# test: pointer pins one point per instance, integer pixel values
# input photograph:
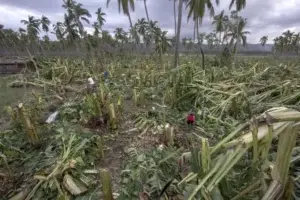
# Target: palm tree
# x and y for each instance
(32, 26)
(189, 43)
(125, 4)
(120, 35)
(96, 27)
(152, 31)
(288, 35)
(263, 40)
(75, 15)
(141, 27)
(174, 12)
(210, 40)
(71, 30)
(239, 4)
(238, 34)
(45, 22)
(105, 35)
(278, 44)
(3, 38)
(201, 38)
(59, 32)
(295, 42)
(100, 17)
(196, 10)
(220, 22)
(184, 41)
(162, 44)
(81, 14)
(23, 38)
(9, 38)
(176, 53)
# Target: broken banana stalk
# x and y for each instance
(30, 129)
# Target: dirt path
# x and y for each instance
(128, 137)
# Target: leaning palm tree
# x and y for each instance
(45, 22)
(81, 15)
(33, 30)
(59, 30)
(76, 14)
(100, 17)
(71, 31)
(32, 26)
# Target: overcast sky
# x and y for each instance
(265, 17)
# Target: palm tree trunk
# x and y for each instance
(174, 9)
(237, 42)
(194, 36)
(176, 55)
(130, 21)
(131, 26)
(221, 41)
(145, 4)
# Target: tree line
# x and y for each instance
(229, 31)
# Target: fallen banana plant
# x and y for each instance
(28, 125)
(275, 123)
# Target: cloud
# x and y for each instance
(265, 17)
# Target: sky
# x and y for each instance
(265, 17)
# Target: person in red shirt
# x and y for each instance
(191, 118)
